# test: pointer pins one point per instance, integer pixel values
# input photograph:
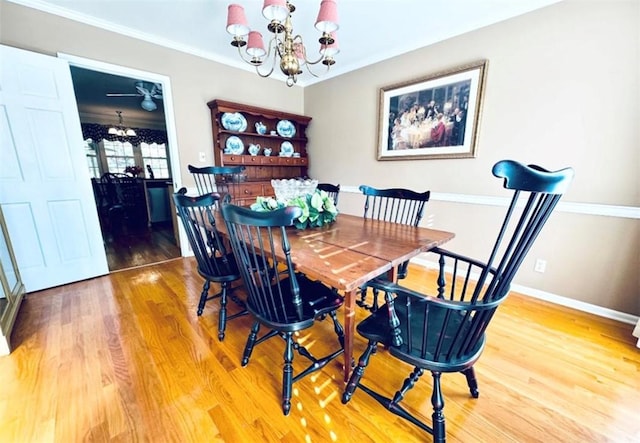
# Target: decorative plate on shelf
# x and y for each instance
(286, 149)
(233, 121)
(285, 129)
(234, 146)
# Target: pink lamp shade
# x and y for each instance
(237, 24)
(255, 46)
(332, 49)
(299, 50)
(327, 16)
(275, 10)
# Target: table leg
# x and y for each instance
(349, 330)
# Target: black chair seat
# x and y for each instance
(226, 265)
(449, 326)
(317, 300)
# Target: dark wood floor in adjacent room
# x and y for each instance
(138, 246)
(124, 357)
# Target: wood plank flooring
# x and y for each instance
(125, 358)
(130, 248)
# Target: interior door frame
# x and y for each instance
(170, 121)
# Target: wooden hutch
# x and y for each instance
(260, 169)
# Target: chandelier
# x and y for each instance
(283, 44)
(120, 129)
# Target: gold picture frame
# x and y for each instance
(432, 117)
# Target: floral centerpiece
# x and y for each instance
(317, 208)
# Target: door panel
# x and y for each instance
(45, 189)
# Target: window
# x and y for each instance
(155, 156)
(114, 156)
(119, 155)
(91, 154)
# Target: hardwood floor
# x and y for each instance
(139, 246)
(125, 358)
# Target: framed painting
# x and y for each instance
(432, 117)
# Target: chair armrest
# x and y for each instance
(456, 256)
(390, 287)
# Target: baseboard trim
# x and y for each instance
(554, 298)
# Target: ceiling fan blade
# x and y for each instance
(122, 95)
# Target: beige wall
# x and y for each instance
(562, 89)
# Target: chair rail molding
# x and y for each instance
(572, 207)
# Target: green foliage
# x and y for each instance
(317, 208)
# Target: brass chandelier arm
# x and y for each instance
(256, 62)
(298, 39)
(310, 71)
(273, 46)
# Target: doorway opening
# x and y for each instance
(132, 162)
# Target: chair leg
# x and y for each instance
(470, 374)
(337, 327)
(203, 296)
(439, 435)
(222, 315)
(374, 303)
(251, 341)
(287, 374)
(362, 302)
(357, 373)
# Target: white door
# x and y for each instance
(45, 189)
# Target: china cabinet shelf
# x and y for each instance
(264, 136)
(260, 169)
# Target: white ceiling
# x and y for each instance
(370, 30)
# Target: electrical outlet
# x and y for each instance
(540, 266)
(202, 157)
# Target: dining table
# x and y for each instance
(352, 251)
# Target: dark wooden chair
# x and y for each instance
(332, 190)
(395, 205)
(215, 263)
(220, 179)
(122, 203)
(445, 331)
(284, 301)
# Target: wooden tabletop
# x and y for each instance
(350, 252)
(392, 242)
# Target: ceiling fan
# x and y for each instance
(147, 90)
